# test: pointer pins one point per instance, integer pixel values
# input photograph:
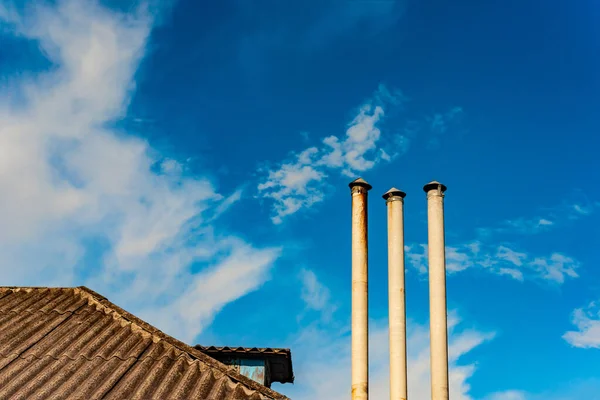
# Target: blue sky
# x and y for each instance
(190, 161)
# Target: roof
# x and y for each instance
(280, 360)
(74, 343)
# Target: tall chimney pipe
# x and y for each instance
(360, 316)
(394, 200)
(438, 320)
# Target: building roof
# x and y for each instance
(280, 360)
(74, 343)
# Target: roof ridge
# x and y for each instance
(66, 356)
(190, 350)
(46, 312)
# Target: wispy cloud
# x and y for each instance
(439, 124)
(550, 218)
(574, 389)
(339, 18)
(295, 184)
(75, 192)
(582, 209)
(587, 324)
(500, 260)
(529, 226)
(507, 395)
(326, 373)
(490, 251)
(279, 25)
(300, 181)
(316, 295)
(242, 270)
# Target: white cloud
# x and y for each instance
(513, 257)
(489, 253)
(416, 256)
(499, 259)
(507, 395)
(551, 218)
(299, 182)
(357, 151)
(240, 272)
(326, 372)
(528, 226)
(588, 389)
(512, 272)
(587, 322)
(313, 29)
(316, 295)
(293, 185)
(582, 209)
(76, 192)
(440, 123)
(555, 268)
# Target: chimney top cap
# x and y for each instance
(393, 192)
(434, 185)
(360, 182)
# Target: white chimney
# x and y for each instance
(397, 299)
(360, 316)
(438, 320)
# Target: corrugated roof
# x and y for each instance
(74, 343)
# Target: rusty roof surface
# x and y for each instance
(74, 343)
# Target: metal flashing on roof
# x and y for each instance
(278, 360)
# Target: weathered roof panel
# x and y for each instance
(74, 343)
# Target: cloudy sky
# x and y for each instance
(190, 160)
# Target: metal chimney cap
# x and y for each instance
(360, 182)
(393, 192)
(434, 185)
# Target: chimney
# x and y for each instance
(438, 323)
(394, 200)
(360, 316)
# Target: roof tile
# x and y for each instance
(73, 343)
